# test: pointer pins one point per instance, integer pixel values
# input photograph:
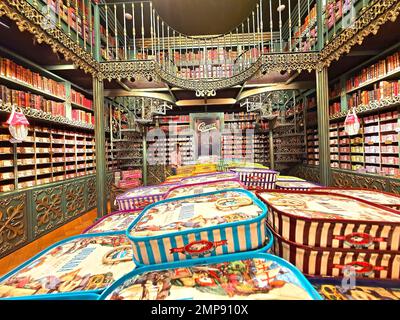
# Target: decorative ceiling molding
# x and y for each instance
(266, 63)
(27, 18)
(297, 61)
(373, 17)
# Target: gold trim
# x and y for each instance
(373, 17)
(27, 18)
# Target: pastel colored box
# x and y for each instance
(296, 185)
(257, 179)
(386, 199)
(116, 222)
(339, 262)
(239, 276)
(188, 227)
(84, 264)
(138, 198)
(198, 188)
(326, 220)
(203, 178)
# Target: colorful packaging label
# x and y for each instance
(196, 212)
(210, 178)
(115, 222)
(81, 264)
(254, 278)
(296, 184)
(336, 292)
(202, 188)
(368, 195)
(146, 191)
(326, 207)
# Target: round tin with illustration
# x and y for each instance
(189, 227)
(212, 177)
(80, 265)
(115, 222)
(296, 185)
(386, 199)
(327, 220)
(204, 187)
(237, 276)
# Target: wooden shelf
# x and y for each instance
(17, 84)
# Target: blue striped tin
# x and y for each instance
(209, 224)
(75, 268)
(245, 275)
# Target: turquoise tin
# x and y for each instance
(190, 227)
(258, 276)
(77, 267)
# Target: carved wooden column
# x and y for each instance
(98, 99)
(323, 126)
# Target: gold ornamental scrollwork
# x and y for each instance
(369, 22)
(290, 61)
(266, 63)
(28, 18)
(13, 229)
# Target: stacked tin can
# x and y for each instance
(329, 234)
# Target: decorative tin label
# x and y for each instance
(80, 264)
(199, 248)
(359, 240)
(197, 212)
(254, 278)
(330, 206)
(360, 267)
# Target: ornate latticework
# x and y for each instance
(13, 223)
(305, 172)
(369, 22)
(373, 105)
(41, 115)
(30, 19)
(290, 62)
(48, 210)
(347, 179)
(75, 200)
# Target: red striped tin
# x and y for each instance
(257, 179)
(325, 220)
(386, 199)
(314, 261)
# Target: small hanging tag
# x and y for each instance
(18, 126)
(352, 123)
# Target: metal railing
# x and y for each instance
(74, 17)
(135, 31)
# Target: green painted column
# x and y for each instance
(323, 126)
(98, 99)
(271, 147)
(320, 26)
(96, 28)
(144, 154)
